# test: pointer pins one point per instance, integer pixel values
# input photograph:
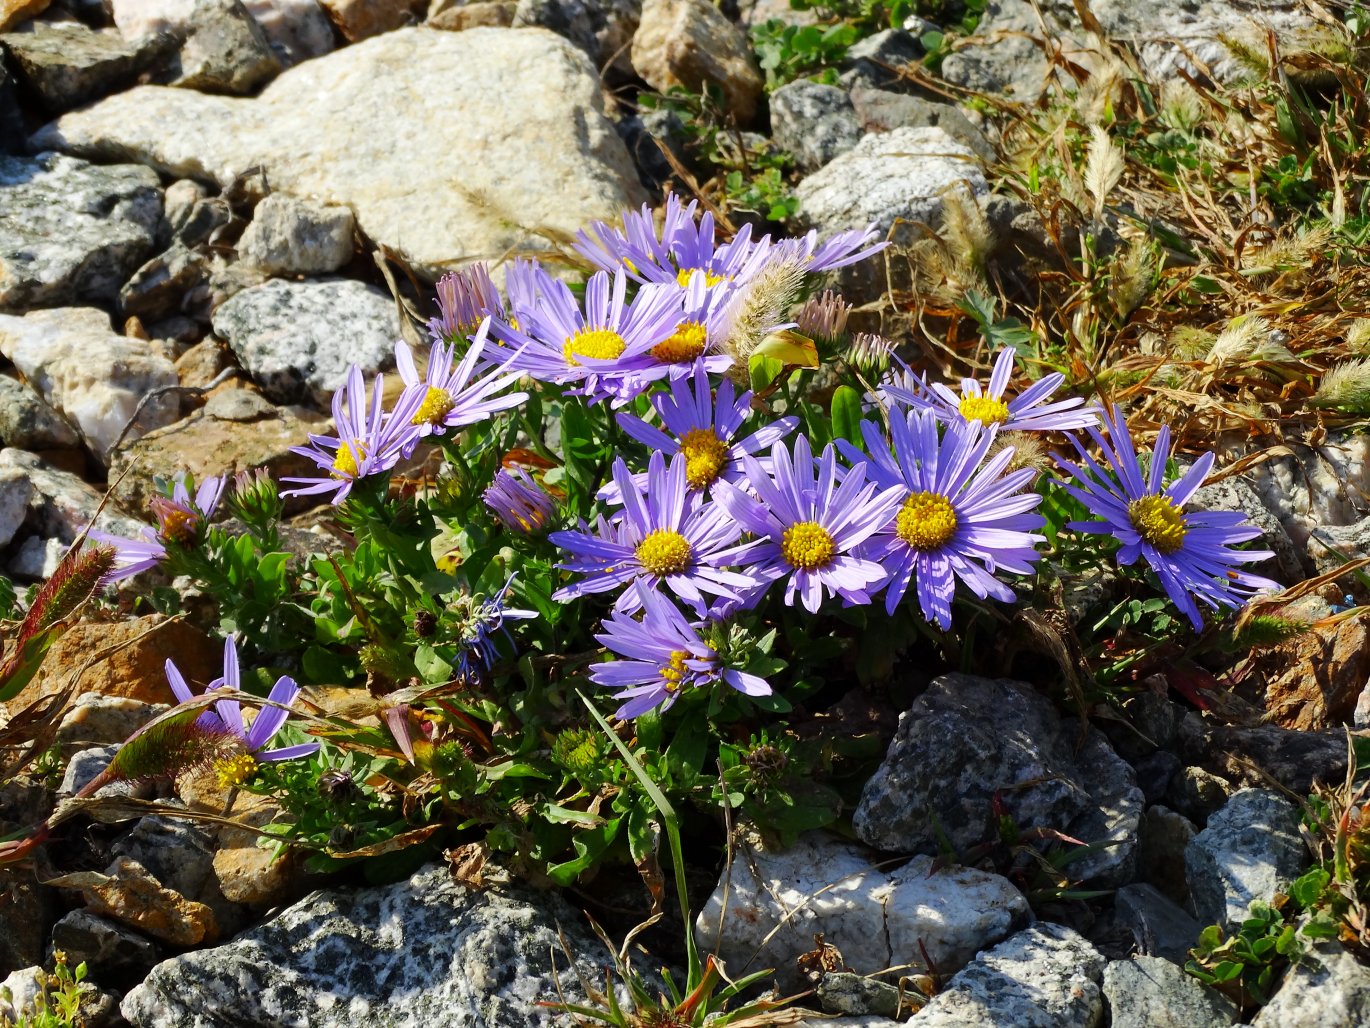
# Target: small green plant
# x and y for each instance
(1248, 965)
(59, 999)
(789, 52)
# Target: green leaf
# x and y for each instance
(846, 414)
(1308, 888)
(763, 370)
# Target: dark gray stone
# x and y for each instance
(1046, 976)
(1161, 842)
(72, 231)
(880, 110)
(1148, 992)
(813, 122)
(968, 742)
(1294, 759)
(841, 992)
(159, 287)
(875, 60)
(12, 133)
(1155, 771)
(109, 949)
(426, 951)
(26, 422)
(65, 64)
(225, 50)
(298, 339)
(1250, 850)
(602, 28)
(1160, 927)
(1197, 793)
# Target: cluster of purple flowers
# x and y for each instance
(927, 502)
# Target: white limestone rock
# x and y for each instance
(72, 231)
(448, 146)
(61, 503)
(15, 493)
(875, 918)
(1330, 988)
(297, 339)
(296, 237)
(896, 174)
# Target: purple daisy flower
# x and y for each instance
(702, 426)
(808, 524)
(521, 505)
(958, 519)
(596, 350)
(661, 656)
(368, 441)
(448, 396)
(1029, 411)
(663, 534)
(703, 328)
(465, 298)
(234, 771)
(837, 251)
(179, 519)
(1189, 551)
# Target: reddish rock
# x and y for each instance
(128, 893)
(136, 670)
(1313, 680)
(361, 19)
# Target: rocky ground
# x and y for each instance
(209, 211)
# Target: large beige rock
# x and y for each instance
(690, 43)
(448, 147)
(96, 379)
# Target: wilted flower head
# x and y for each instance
(481, 619)
(179, 517)
(521, 505)
(465, 299)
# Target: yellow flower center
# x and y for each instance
(674, 670)
(925, 521)
(685, 344)
(349, 455)
(705, 456)
(234, 771)
(985, 410)
(437, 404)
(684, 275)
(599, 344)
(664, 552)
(807, 546)
(178, 525)
(1159, 522)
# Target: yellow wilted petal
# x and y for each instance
(789, 347)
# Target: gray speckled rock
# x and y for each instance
(1250, 850)
(295, 237)
(36, 558)
(297, 29)
(65, 64)
(875, 918)
(421, 952)
(72, 231)
(95, 378)
(1234, 494)
(30, 424)
(1329, 988)
(360, 126)
(225, 50)
(879, 110)
(897, 174)
(1046, 976)
(1148, 992)
(814, 122)
(15, 491)
(968, 738)
(297, 339)
(61, 503)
